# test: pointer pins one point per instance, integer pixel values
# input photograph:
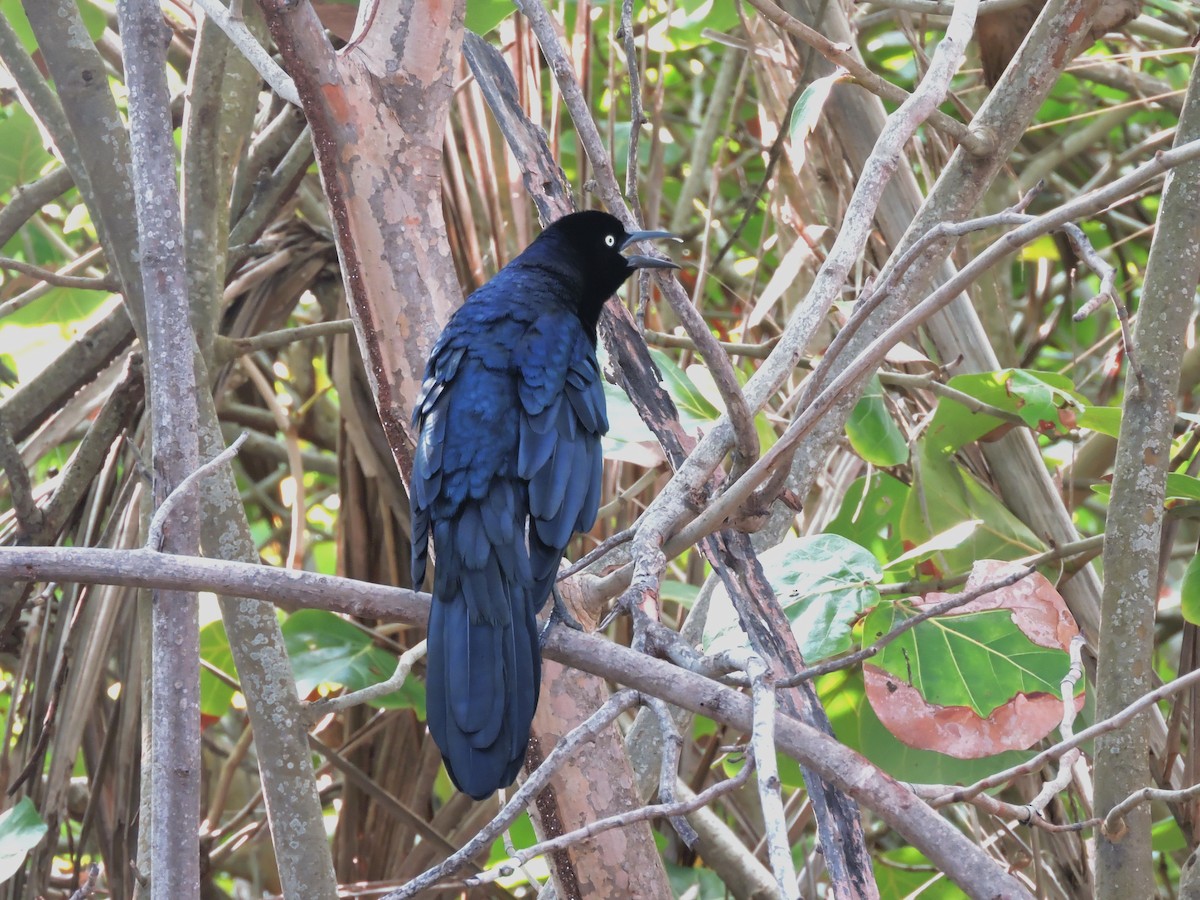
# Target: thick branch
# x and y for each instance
(175, 662)
(949, 849)
(1132, 543)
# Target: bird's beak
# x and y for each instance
(649, 262)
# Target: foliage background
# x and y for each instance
(738, 158)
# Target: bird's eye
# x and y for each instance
(610, 240)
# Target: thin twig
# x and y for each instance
(762, 739)
(103, 283)
(320, 708)
(668, 775)
(944, 8)
(928, 382)
(228, 348)
(1102, 727)
(511, 847)
(622, 820)
(600, 719)
(287, 428)
(636, 118)
(1088, 546)
(1001, 809)
(235, 29)
(682, 342)
(1108, 291)
(42, 288)
(1114, 825)
(89, 883)
(20, 487)
(155, 532)
(1066, 765)
(613, 540)
(975, 142)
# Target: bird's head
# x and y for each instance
(591, 243)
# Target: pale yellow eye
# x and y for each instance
(610, 240)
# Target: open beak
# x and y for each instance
(650, 262)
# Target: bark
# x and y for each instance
(377, 110)
(1133, 531)
(174, 780)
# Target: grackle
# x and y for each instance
(506, 470)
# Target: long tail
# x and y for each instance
(484, 664)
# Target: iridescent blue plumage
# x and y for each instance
(507, 468)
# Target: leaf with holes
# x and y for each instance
(1045, 401)
(978, 681)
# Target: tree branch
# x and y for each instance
(948, 848)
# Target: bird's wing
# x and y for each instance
(483, 661)
(429, 422)
(562, 420)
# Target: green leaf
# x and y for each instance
(695, 882)
(946, 495)
(683, 594)
(873, 432)
(93, 17)
(1166, 836)
(1189, 592)
(950, 539)
(21, 829)
(327, 649)
(522, 834)
(873, 521)
(1045, 401)
(685, 27)
(1102, 419)
(22, 155)
(694, 409)
(484, 15)
(15, 14)
(807, 113)
(906, 872)
(626, 426)
(1042, 248)
(979, 660)
(1179, 487)
(824, 583)
(1040, 397)
(215, 695)
(59, 306)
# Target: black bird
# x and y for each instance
(507, 469)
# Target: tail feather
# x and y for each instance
(484, 664)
